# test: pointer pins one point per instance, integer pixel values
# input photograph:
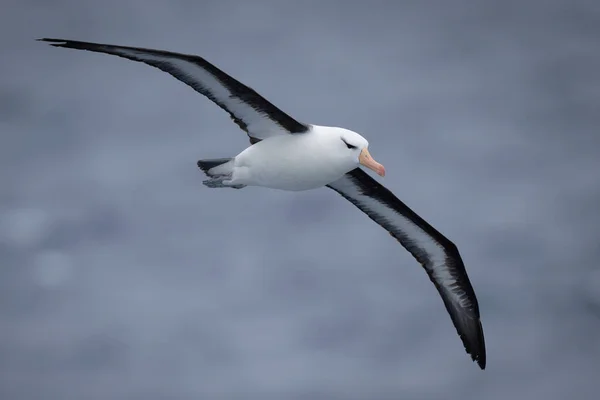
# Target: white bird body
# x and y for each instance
(291, 155)
(294, 162)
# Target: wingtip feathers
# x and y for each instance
(475, 345)
(54, 42)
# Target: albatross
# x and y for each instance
(287, 154)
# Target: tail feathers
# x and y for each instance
(220, 182)
(219, 170)
(207, 165)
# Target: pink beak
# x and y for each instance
(366, 160)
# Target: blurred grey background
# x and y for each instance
(122, 277)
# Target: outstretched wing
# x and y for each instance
(248, 109)
(438, 255)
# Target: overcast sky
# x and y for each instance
(122, 277)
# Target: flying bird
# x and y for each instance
(287, 154)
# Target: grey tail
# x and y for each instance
(220, 182)
(206, 165)
(219, 177)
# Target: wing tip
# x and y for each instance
(54, 42)
(470, 331)
(480, 359)
(49, 40)
(481, 364)
(475, 345)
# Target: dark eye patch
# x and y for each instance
(348, 145)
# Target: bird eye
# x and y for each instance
(348, 145)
